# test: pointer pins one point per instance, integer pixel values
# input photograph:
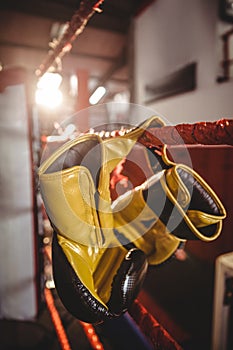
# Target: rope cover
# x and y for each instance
(154, 332)
(219, 132)
(61, 334)
(206, 133)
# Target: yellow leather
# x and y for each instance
(69, 200)
(179, 196)
(139, 224)
(86, 229)
(85, 232)
(176, 186)
(200, 219)
(63, 211)
(95, 267)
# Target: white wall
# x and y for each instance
(169, 35)
(18, 292)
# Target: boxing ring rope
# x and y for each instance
(61, 334)
(75, 27)
(205, 133)
(219, 132)
(149, 326)
(92, 336)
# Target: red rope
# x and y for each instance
(154, 332)
(92, 336)
(219, 132)
(75, 27)
(206, 133)
(61, 334)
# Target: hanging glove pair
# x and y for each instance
(101, 249)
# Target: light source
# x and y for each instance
(97, 95)
(73, 85)
(48, 93)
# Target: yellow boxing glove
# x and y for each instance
(172, 206)
(101, 249)
(96, 277)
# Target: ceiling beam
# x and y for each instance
(44, 50)
(114, 17)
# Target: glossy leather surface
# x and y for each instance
(101, 249)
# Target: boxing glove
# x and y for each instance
(95, 276)
(101, 249)
(172, 206)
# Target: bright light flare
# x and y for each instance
(97, 95)
(74, 85)
(48, 93)
(50, 81)
(49, 98)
